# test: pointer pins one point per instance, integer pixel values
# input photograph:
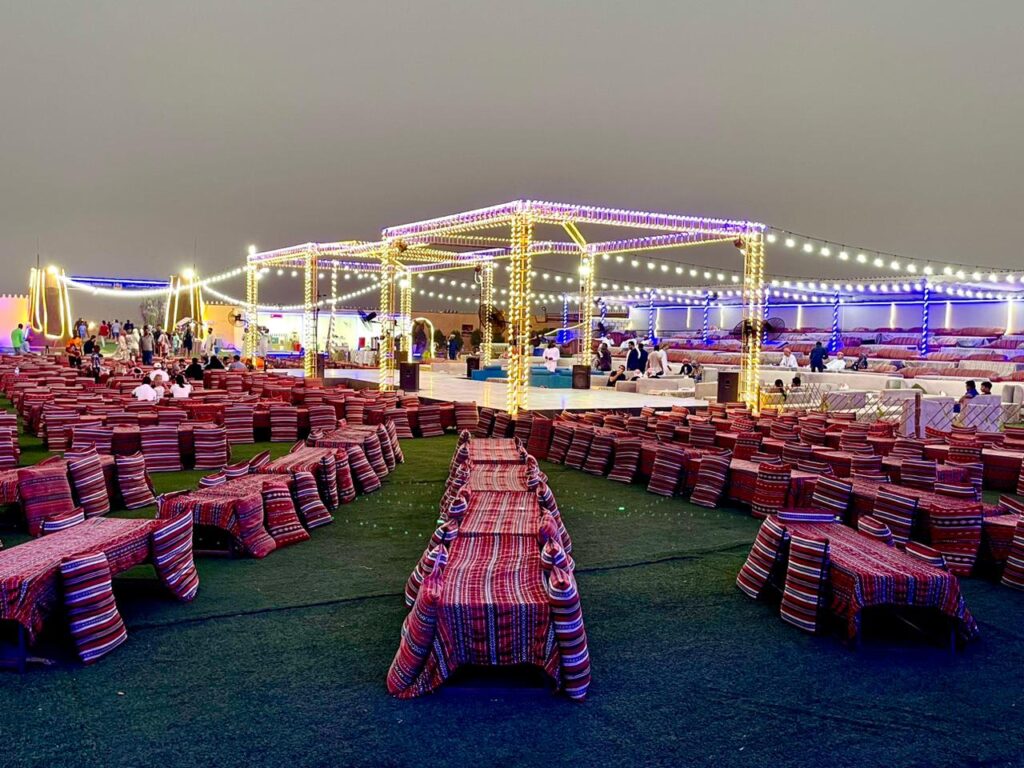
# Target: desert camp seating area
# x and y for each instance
(837, 485)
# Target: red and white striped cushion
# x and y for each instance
(669, 469)
(466, 416)
(897, 511)
(386, 448)
(44, 492)
(307, 500)
(8, 448)
(712, 476)
(160, 447)
(284, 423)
(926, 554)
(418, 631)
(430, 420)
(600, 454)
(63, 520)
(502, 424)
(832, 494)
(171, 545)
(763, 559)
(283, 523)
(803, 595)
(239, 420)
(576, 456)
(211, 447)
(627, 459)
(393, 438)
(770, 489)
(366, 479)
(375, 455)
(346, 485)
(323, 417)
(88, 482)
(561, 437)
(84, 436)
(539, 441)
(875, 528)
(133, 480)
(485, 423)
(96, 624)
(1013, 572)
(399, 417)
(567, 617)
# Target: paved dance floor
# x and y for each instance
(490, 394)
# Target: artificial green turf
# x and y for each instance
(282, 661)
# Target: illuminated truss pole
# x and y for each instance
(519, 304)
(405, 313)
(309, 303)
(252, 297)
(753, 318)
(587, 269)
(332, 325)
(386, 318)
(487, 303)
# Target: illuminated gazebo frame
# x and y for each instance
(507, 232)
(481, 239)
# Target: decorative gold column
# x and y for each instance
(753, 318)
(386, 318)
(587, 264)
(487, 304)
(252, 324)
(405, 312)
(520, 299)
(309, 264)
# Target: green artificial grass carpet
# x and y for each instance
(282, 661)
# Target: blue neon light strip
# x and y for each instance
(120, 282)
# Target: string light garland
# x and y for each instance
(874, 258)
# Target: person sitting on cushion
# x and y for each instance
(970, 394)
(836, 364)
(619, 374)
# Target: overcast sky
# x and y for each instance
(131, 131)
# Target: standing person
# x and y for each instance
(129, 326)
(82, 329)
(18, 338)
(604, 358)
(147, 345)
(551, 357)
(132, 338)
(26, 345)
(188, 340)
(633, 369)
(104, 333)
(208, 345)
(115, 329)
(163, 345)
(642, 361)
(818, 357)
(453, 346)
(657, 363)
